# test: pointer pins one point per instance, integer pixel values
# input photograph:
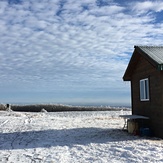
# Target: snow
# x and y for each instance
(72, 137)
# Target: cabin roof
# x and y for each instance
(153, 54)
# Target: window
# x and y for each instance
(144, 90)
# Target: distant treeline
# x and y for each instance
(59, 108)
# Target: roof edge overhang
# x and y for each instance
(146, 56)
(134, 59)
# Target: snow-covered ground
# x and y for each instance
(72, 137)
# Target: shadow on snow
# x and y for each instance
(63, 137)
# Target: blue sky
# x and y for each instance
(72, 52)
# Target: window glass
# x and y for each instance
(141, 89)
(144, 89)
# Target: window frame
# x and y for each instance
(144, 89)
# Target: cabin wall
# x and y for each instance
(154, 107)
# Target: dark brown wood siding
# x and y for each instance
(154, 107)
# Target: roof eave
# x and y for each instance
(130, 67)
(134, 59)
(146, 56)
(126, 78)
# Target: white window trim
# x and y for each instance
(146, 96)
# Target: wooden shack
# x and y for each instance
(145, 71)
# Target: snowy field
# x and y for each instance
(72, 137)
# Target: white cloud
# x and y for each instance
(70, 45)
(146, 6)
